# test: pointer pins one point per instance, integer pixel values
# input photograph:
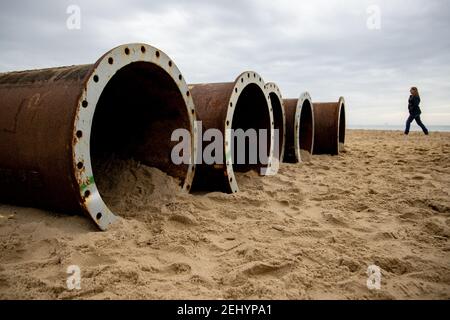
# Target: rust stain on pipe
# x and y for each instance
(330, 124)
(299, 128)
(242, 104)
(56, 123)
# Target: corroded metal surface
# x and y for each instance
(225, 106)
(290, 108)
(299, 127)
(330, 124)
(53, 122)
(36, 131)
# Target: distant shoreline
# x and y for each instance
(397, 128)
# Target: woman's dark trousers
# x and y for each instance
(411, 118)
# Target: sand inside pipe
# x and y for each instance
(305, 156)
(128, 186)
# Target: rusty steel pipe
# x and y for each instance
(242, 104)
(279, 119)
(329, 119)
(299, 128)
(57, 124)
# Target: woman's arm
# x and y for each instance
(415, 102)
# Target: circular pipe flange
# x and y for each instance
(216, 104)
(104, 70)
(342, 124)
(277, 108)
(300, 127)
(241, 82)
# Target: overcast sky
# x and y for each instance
(324, 47)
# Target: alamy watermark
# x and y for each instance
(73, 281)
(248, 147)
(73, 21)
(374, 19)
(373, 277)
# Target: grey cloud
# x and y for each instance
(320, 46)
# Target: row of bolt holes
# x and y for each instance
(248, 76)
(127, 52)
(87, 193)
(84, 104)
(231, 105)
(79, 133)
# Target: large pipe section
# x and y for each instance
(299, 128)
(242, 104)
(279, 119)
(57, 124)
(329, 120)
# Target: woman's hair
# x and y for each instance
(415, 91)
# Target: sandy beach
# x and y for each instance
(309, 232)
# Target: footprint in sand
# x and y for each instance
(433, 229)
(334, 219)
(185, 219)
(283, 203)
(393, 265)
(438, 207)
(410, 216)
(326, 197)
(261, 268)
(178, 268)
(350, 263)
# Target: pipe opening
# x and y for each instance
(134, 118)
(278, 120)
(306, 132)
(342, 128)
(252, 112)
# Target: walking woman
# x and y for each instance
(414, 111)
